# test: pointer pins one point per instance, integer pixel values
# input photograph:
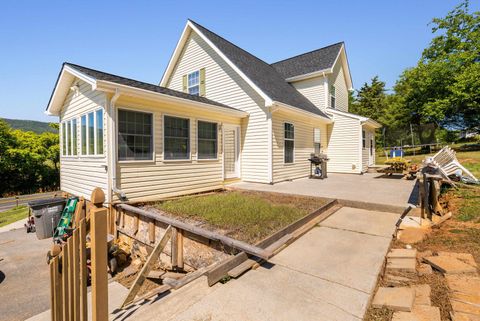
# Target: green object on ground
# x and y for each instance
(13, 215)
(65, 221)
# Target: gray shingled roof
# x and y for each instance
(261, 73)
(100, 75)
(312, 61)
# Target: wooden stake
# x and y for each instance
(83, 269)
(180, 249)
(137, 284)
(99, 264)
(174, 248)
(151, 231)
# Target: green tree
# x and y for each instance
(370, 100)
(443, 89)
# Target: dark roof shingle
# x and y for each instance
(100, 75)
(306, 63)
(261, 74)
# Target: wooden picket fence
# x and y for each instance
(68, 270)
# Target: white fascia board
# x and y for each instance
(371, 123)
(53, 107)
(143, 93)
(310, 75)
(354, 116)
(303, 112)
(173, 61)
(176, 54)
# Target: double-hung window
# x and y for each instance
(69, 137)
(176, 138)
(194, 83)
(289, 143)
(91, 133)
(135, 135)
(207, 140)
(332, 96)
(364, 139)
(316, 141)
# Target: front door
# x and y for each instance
(230, 151)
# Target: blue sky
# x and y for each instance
(136, 38)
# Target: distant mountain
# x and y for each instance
(30, 125)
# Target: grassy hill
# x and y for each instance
(30, 125)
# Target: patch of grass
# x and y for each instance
(247, 216)
(13, 215)
(469, 208)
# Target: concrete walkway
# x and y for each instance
(328, 274)
(371, 188)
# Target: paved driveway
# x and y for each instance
(25, 288)
(371, 188)
(328, 274)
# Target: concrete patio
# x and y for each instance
(371, 188)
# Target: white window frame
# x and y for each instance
(72, 147)
(333, 94)
(315, 141)
(189, 139)
(197, 85)
(218, 145)
(87, 138)
(364, 139)
(152, 160)
(67, 140)
(289, 139)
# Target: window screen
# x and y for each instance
(207, 140)
(176, 138)
(135, 138)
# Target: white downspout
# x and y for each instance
(113, 148)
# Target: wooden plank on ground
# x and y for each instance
(99, 264)
(137, 284)
(221, 271)
(160, 290)
(82, 235)
(177, 284)
(242, 268)
(155, 274)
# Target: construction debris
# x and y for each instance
(424, 269)
(449, 264)
(397, 299)
(448, 164)
(422, 294)
(419, 313)
(402, 254)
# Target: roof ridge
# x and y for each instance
(196, 23)
(308, 52)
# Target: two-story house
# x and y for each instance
(220, 114)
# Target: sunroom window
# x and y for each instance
(91, 133)
(135, 135)
(207, 140)
(176, 138)
(69, 137)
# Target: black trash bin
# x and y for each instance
(46, 214)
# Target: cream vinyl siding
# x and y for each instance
(337, 78)
(224, 85)
(79, 175)
(313, 89)
(344, 143)
(159, 178)
(303, 146)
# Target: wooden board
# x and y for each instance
(221, 271)
(242, 268)
(152, 259)
(82, 234)
(99, 264)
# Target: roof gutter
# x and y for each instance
(132, 91)
(310, 75)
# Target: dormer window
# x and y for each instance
(332, 96)
(194, 83)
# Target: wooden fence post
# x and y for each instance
(76, 274)
(83, 269)
(71, 293)
(99, 264)
(66, 314)
(57, 286)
